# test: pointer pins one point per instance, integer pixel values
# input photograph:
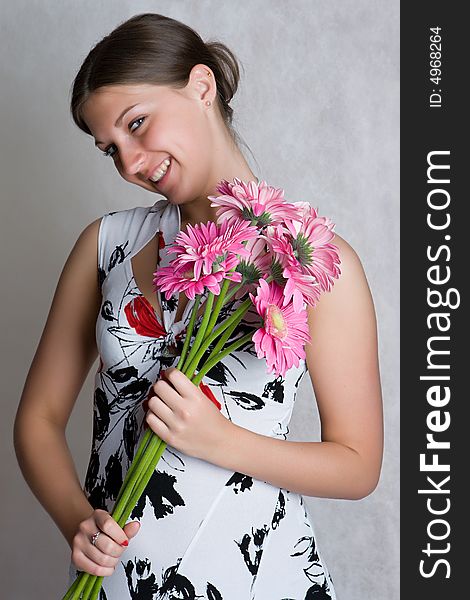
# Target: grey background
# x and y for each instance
(319, 107)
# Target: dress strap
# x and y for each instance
(123, 233)
(170, 226)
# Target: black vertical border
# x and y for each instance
(423, 130)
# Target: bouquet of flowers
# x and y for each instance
(278, 256)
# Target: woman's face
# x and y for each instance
(163, 123)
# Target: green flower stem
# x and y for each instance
(203, 326)
(135, 477)
(235, 288)
(221, 299)
(223, 338)
(227, 326)
(184, 361)
(210, 363)
(96, 589)
(241, 310)
(90, 584)
(82, 580)
(132, 482)
(80, 588)
(69, 595)
(72, 588)
(147, 474)
(135, 461)
(189, 330)
(233, 291)
(213, 319)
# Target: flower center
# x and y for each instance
(303, 250)
(275, 323)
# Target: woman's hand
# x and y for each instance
(101, 559)
(184, 417)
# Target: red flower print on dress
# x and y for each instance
(161, 245)
(141, 317)
(208, 392)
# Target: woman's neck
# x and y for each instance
(200, 210)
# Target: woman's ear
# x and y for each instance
(202, 83)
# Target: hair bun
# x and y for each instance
(226, 71)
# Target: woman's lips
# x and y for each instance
(158, 184)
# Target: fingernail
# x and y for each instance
(125, 543)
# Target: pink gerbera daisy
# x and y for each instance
(284, 332)
(313, 249)
(172, 282)
(205, 255)
(308, 260)
(258, 203)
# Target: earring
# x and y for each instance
(208, 102)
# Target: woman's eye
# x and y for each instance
(108, 152)
(136, 121)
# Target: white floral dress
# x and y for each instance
(206, 532)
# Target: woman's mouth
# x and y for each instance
(161, 174)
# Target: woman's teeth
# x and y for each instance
(161, 171)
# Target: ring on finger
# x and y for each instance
(94, 537)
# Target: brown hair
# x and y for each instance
(153, 48)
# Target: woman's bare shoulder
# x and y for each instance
(89, 234)
(345, 250)
(351, 283)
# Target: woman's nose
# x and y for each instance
(132, 161)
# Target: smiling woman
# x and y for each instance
(223, 515)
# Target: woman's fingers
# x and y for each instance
(158, 426)
(159, 408)
(103, 548)
(101, 557)
(83, 563)
(132, 528)
(163, 388)
(108, 525)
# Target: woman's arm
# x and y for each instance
(342, 360)
(64, 356)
